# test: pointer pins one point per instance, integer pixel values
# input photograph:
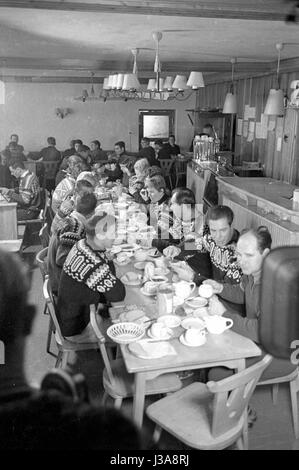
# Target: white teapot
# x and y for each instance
(184, 289)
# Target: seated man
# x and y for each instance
(215, 252)
(252, 247)
(27, 195)
(96, 153)
(148, 152)
(72, 230)
(155, 196)
(50, 153)
(66, 187)
(88, 278)
(171, 147)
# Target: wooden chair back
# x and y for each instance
(40, 259)
(51, 303)
(44, 235)
(101, 341)
(166, 165)
(232, 396)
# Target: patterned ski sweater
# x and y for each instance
(89, 267)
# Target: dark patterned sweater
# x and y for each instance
(88, 277)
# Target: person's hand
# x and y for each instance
(215, 306)
(171, 251)
(217, 286)
(183, 271)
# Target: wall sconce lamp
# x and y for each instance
(62, 112)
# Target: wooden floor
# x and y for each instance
(272, 430)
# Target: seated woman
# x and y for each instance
(127, 167)
(136, 182)
(252, 248)
(155, 195)
(113, 171)
(88, 278)
(179, 223)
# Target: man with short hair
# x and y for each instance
(50, 153)
(171, 147)
(27, 195)
(160, 151)
(67, 185)
(72, 229)
(215, 253)
(88, 278)
(16, 150)
(148, 152)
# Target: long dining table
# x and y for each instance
(228, 349)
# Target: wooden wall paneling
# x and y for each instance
(261, 97)
(287, 157)
(269, 152)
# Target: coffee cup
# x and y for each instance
(194, 336)
(184, 289)
(216, 324)
(150, 287)
(158, 330)
(159, 271)
(205, 290)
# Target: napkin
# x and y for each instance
(152, 350)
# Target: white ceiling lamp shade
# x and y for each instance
(130, 82)
(180, 83)
(151, 84)
(275, 101)
(120, 81)
(106, 84)
(195, 80)
(168, 83)
(230, 102)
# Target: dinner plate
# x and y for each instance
(136, 316)
(129, 246)
(140, 265)
(153, 253)
(171, 321)
(196, 302)
(150, 350)
(184, 342)
(134, 282)
(123, 263)
(193, 322)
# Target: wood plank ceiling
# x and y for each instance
(66, 40)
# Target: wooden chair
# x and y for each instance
(64, 346)
(50, 171)
(180, 170)
(167, 165)
(118, 383)
(293, 379)
(33, 226)
(41, 261)
(210, 416)
(44, 235)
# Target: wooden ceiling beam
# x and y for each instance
(272, 10)
(104, 67)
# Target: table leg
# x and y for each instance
(139, 397)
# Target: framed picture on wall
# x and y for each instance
(156, 124)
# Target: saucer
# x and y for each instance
(153, 253)
(184, 342)
(196, 302)
(129, 247)
(123, 263)
(171, 321)
(193, 322)
(159, 338)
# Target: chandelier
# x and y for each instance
(126, 86)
